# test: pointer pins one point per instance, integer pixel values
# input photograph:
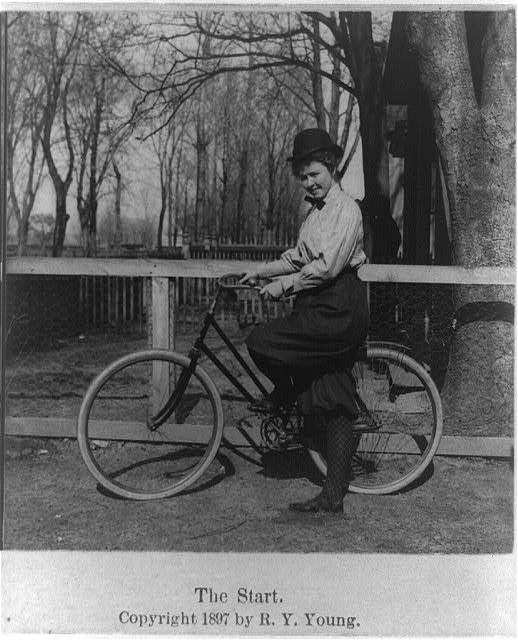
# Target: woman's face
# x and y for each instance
(316, 179)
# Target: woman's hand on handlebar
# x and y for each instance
(272, 291)
(250, 278)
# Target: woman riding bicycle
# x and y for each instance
(309, 354)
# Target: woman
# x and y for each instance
(309, 354)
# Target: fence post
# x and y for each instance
(162, 334)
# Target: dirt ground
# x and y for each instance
(52, 502)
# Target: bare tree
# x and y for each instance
(316, 78)
(224, 146)
(277, 131)
(58, 60)
(167, 144)
(118, 197)
(297, 40)
(473, 111)
(97, 114)
(24, 125)
(190, 52)
(42, 225)
(334, 53)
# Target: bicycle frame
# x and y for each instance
(399, 448)
(200, 347)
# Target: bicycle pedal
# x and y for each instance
(365, 425)
(281, 447)
(277, 447)
(295, 446)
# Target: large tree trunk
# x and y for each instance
(476, 145)
(366, 74)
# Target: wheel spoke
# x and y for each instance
(402, 401)
(130, 453)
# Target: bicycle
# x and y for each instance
(151, 423)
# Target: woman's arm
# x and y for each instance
(335, 240)
(290, 262)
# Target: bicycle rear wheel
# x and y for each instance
(129, 451)
(403, 403)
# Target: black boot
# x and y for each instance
(282, 398)
(341, 442)
(318, 504)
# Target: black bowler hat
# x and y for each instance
(309, 141)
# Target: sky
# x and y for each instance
(146, 175)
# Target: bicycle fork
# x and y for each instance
(163, 414)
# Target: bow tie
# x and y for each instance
(317, 202)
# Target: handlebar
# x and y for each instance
(236, 285)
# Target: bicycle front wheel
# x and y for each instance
(127, 438)
(405, 427)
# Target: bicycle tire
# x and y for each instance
(123, 453)
(405, 403)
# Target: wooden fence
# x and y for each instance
(112, 300)
(256, 252)
(211, 249)
(117, 300)
(163, 276)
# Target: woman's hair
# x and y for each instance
(327, 157)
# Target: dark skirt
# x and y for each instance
(318, 342)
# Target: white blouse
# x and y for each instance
(330, 239)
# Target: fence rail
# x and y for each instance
(163, 288)
(114, 291)
(419, 274)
